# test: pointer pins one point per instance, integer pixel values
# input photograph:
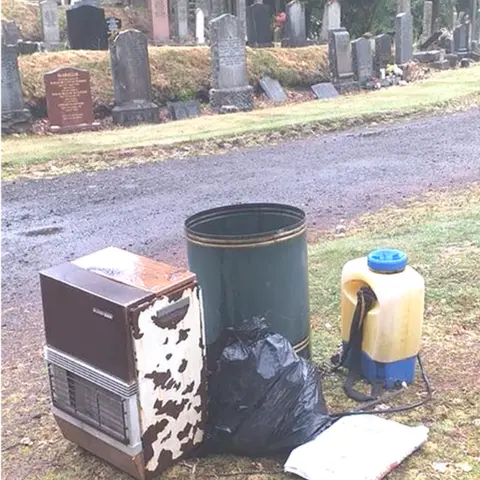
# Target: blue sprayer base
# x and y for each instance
(391, 373)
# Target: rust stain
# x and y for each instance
(166, 341)
(187, 446)
(159, 378)
(137, 335)
(183, 366)
(169, 356)
(182, 335)
(165, 459)
(173, 297)
(171, 320)
(189, 388)
(167, 437)
(173, 384)
(150, 436)
(171, 408)
(184, 433)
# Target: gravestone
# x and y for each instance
(427, 19)
(241, 14)
(182, 110)
(86, 28)
(15, 117)
(49, 21)
(273, 90)
(27, 48)
(383, 52)
(295, 28)
(259, 25)
(340, 61)
(10, 33)
(403, 6)
(403, 38)
(113, 25)
(332, 14)
(324, 90)
(180, 17)
(362, 60)
(160, 21)
(69, 100)
(131, 80)
(229, 65)
(460, 40)
(199, 26)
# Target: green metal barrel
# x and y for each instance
(251, 260)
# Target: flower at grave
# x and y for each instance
(280, 19)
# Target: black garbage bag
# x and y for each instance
(263, 398)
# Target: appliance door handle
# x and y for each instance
(172, 314)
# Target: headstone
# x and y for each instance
(460, 39)
(180, 14)
(199, 26)
(27, 48)
(454, 18)
(241, 14)
(427, 19)
(295, 28)
(69, 100)
(383, 51)
(49, 21)
(182, 110)
(273, 90)
(259, 25)
(113, 25)
(362, 60)
(229, 65)
(331, 19)
(324, 90)
(403, 38)
(131, 80)
(403, 6)
(340, 61)
(15, 117)
(86, 28)
(10, 33)
(160, 20)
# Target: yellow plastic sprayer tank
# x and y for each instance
(393, 327)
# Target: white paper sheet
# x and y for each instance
(359, 447)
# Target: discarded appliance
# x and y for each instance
(251, 261)
(363, 447)
(125, 356)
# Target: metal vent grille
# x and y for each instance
(90, 403)
(90, 373)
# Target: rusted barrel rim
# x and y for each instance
(296, 228)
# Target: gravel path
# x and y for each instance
(142, 208)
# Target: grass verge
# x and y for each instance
(57, 154)
(441, 233)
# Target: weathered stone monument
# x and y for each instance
(295, 28)
(340, 61)
(403, 38)
(182, 110)
(383, 52)
(86, 28)
(15, 117)
(230, 86)
(461, 40)
(131, 80)
(241, 14)
(10, 33)
(324, 91)
(180, 20)
(160, 21)
(113, 25)
(199, 26)
(69, 100)
(273, 90)
(332, 14)
(362, 60)
(403, 6)
(49, 21)
(259, 25)
(427, 19)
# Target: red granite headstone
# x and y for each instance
(69, 100)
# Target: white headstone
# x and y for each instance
(331, 18)
(200, 26)
(49, 20)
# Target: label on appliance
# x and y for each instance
(103, 313)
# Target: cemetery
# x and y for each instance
(217, 61)
(262, 308)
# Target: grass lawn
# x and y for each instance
(24, 153)
(441, 234)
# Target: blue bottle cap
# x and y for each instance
(387, 260)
